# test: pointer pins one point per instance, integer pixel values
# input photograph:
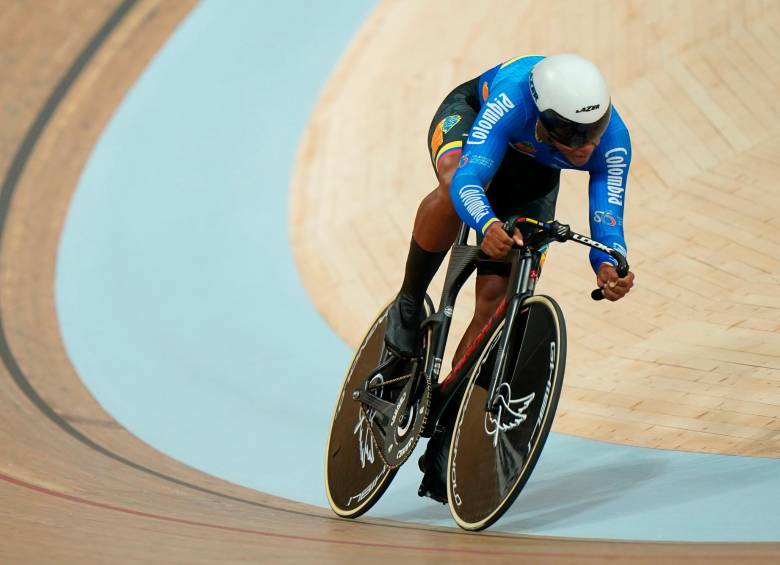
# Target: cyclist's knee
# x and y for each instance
(447, 166)
(445, 169)
(491, 290)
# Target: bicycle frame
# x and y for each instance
(464, 260)
(525, 263)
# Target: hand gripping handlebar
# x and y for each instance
(562, 232)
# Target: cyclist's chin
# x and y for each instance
(578, 160)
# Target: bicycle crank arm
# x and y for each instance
(382, 407)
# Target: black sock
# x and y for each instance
(421, 266)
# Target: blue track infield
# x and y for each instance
(182, 311)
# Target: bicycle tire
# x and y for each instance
(356, 479)
(492, 456)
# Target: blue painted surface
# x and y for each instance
(591, 489)
(182, 311)
(178, 298)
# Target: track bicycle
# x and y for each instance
(508, 382)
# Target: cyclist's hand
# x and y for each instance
(497, 243)
(613, 287)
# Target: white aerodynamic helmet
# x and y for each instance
(572, 98)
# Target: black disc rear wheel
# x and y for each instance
(364, 449)
(492, 454)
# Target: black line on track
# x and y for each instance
(10, 183)
(9, 187)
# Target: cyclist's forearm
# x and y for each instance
(471, 203)
(607, 201)
(610, 235)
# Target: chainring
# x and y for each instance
(396, 439)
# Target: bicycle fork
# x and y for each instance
(522, 282)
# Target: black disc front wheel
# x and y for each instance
(493, 453)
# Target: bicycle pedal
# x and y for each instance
(424, 492)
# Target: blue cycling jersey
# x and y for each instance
(507, 122)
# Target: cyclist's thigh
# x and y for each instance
(451, 123)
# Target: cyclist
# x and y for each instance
(497, 144)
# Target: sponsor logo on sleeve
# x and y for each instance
(482, 161)
(616, 174)
(607, 217)
(492, 112)
(485, 91)
(473, 198)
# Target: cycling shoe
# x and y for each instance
(402, 337)
(433, 464)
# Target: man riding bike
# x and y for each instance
(522, 121)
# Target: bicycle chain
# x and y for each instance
(391, 381)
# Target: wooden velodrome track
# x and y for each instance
(697, 351)
(692, 360)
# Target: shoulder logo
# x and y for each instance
(491, 113)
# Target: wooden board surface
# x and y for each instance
(691, 359)
(76, 487)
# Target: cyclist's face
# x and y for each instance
(577, 156)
